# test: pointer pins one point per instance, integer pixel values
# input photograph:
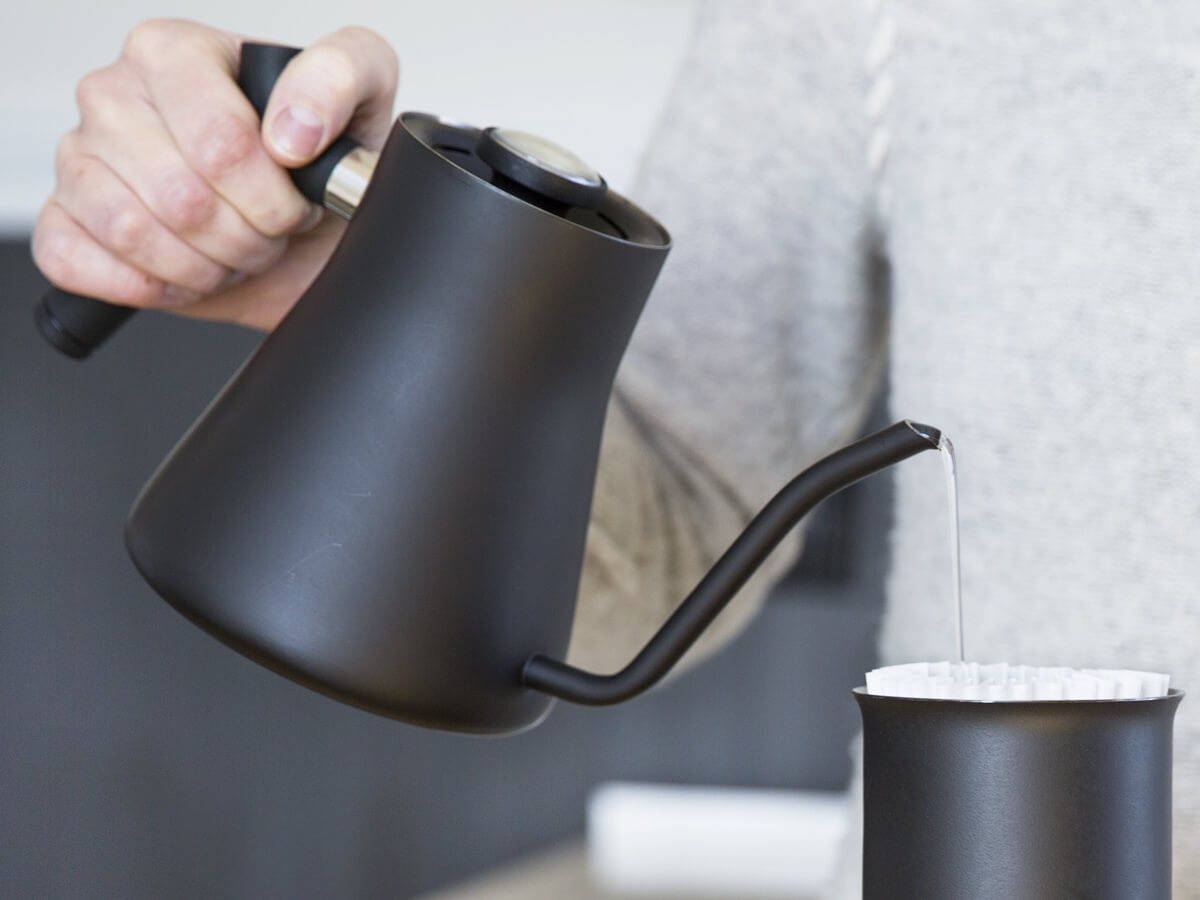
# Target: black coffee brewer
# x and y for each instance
(989, 800)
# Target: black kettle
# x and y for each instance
(389, 502)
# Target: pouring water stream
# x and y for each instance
(948, 464)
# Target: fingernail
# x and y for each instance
(297, 131)
(174, 295)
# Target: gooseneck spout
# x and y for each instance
(821, 480)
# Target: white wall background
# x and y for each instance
(589, 74)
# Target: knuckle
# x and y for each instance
(124, 228)
(149, 40)
(186, 200)
(222, 145)
(375, 47)
(281, 219)
(335, 70)
(53, 250)
(94, 91)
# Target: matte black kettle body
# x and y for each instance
(389, 502)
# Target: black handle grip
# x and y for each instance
(77, 325)
(258, 69)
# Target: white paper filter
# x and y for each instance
(1002, 681)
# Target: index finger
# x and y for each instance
(188, 71)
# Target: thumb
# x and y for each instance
(345, 81)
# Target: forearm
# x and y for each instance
(761, 348)
(659, 520)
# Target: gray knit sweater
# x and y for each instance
(999, 205)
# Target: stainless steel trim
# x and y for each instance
(348, 181)
(547, 155)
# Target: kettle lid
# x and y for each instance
(537, 172)
(541, 166)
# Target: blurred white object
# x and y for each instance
(1001, 681)
(704, 841)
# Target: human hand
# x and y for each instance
(172, 194)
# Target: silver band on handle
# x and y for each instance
(348, 181)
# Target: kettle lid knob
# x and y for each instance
(542, 167)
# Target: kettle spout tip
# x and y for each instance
(928, 432)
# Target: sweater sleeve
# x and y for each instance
(761, 348)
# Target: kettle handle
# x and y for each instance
(797, 498)
(76, 325)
